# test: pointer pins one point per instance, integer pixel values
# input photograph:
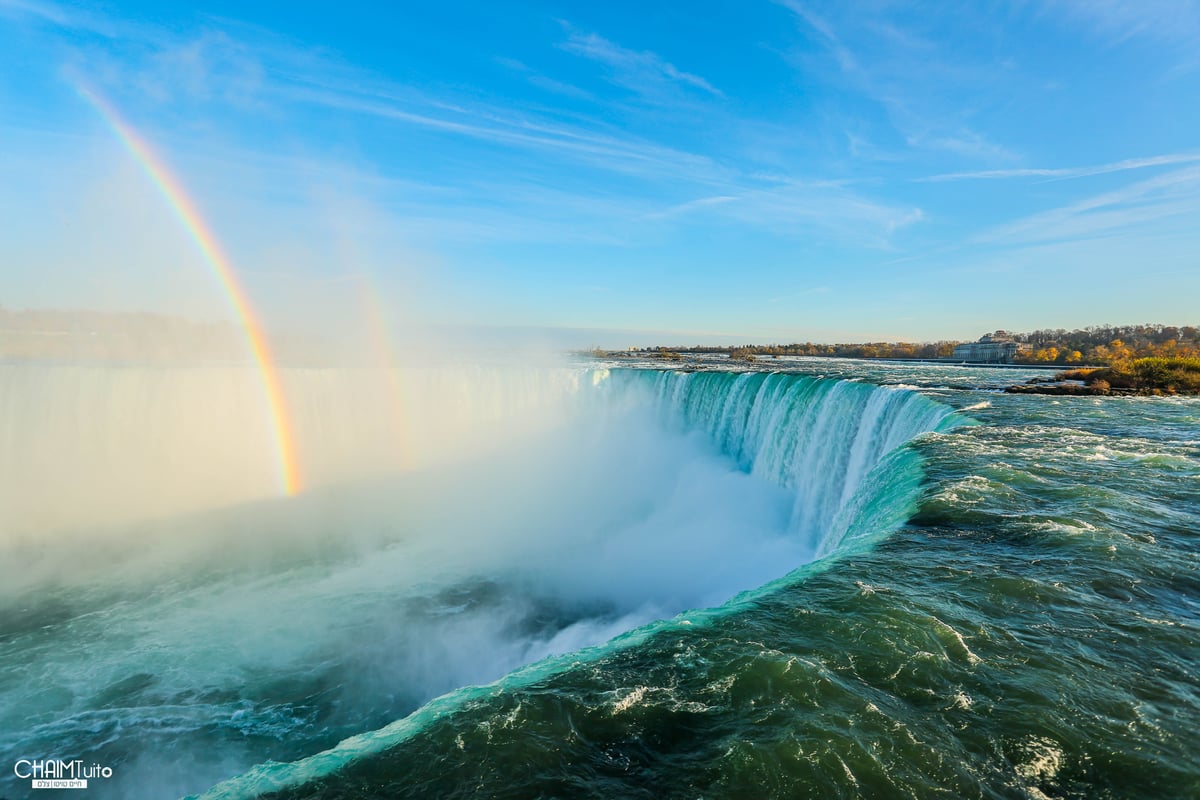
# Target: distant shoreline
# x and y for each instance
(951, 363)
(678, 357)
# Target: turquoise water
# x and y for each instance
(1030, 632)
(999, 602)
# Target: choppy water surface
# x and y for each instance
(1007, 606)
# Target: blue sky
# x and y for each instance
(771, 170)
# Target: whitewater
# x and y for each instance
(594, 580)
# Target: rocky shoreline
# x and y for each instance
(1074, 388)
(1142, 377)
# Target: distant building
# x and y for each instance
(992, 348)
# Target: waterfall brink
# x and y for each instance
(819, 439)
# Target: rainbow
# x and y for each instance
(386, 355)
(210, 249)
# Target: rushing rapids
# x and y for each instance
(269, 630)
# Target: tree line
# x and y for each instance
(1109, 344)
(1098, 344)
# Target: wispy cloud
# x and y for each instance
(692, 205)
(1167, 30)
(61, 16)
(615, 154)
(544, 82)
(904, 74)
(643, 72)
(796, 209)
(824, 29)
(1173, 194)
(1173, 21)
(1065, 173)
(963, 142)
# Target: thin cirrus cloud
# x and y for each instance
(1172, 194)
(1164, 21)
(643, 72)
(1065, 173)
(626, 155)
(904, 75)
(63, 17)
(845, 58)
(544, 82)
(681, 209)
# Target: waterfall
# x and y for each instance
(462, 524)
(817, 438)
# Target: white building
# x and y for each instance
(992, 348)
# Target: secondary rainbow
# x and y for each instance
(183, 207)
(387, 357)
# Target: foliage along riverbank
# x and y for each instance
(1098, 344)
(1142, 376)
